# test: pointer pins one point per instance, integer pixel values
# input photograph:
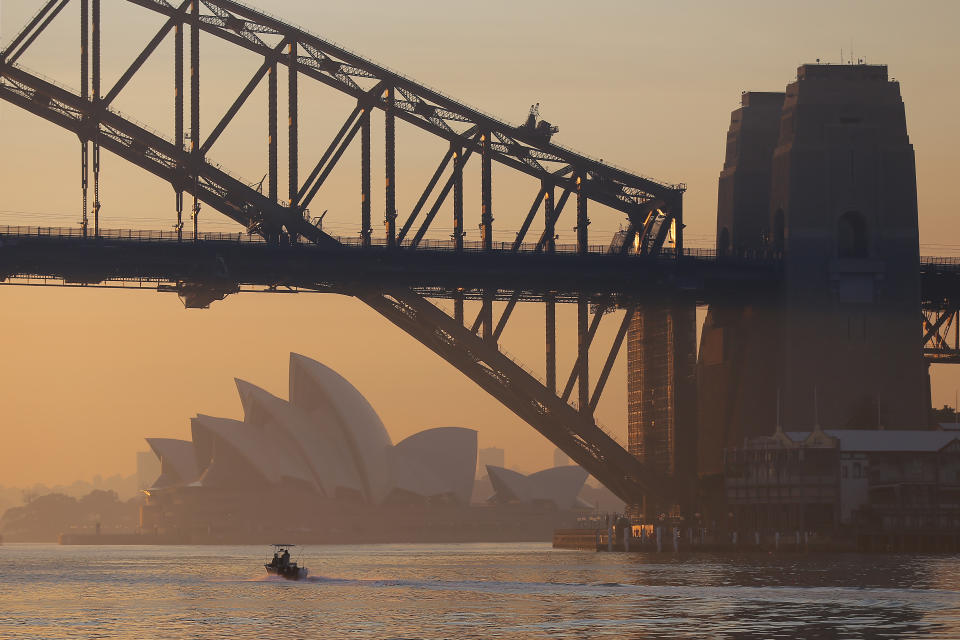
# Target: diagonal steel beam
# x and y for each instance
(27, 29)
(33, 36)
(594, 324)
(502, 323)
(943, 333)
(557, 210)
(303, 204)
(611, 359)
(237, 104)
(477, 322)
(425, 195)
(330, 149)
(933, 328)
(146, 53)
(438, 203)
(529, 219)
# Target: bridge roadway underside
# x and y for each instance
(222, 264)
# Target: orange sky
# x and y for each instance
(646, 85)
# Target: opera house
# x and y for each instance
(321, 466)
(558, 486)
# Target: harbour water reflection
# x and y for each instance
(471, 591)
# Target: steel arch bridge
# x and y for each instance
(399, 273)
(650, 210)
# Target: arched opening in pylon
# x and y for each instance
(852, 240)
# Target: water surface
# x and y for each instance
(471, 591)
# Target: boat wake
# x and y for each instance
(264, 578)
(880, 596)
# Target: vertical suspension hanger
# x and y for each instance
(366, 227)
(178, 122)
(458, 232)
(85, 94)
(195, 109)
(96, 119)
(550, 302)
(486, 192)
(273, 175)
(583, 308)
(486, 228)
(390, 162)
(293, 135)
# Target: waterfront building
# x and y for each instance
(845, 479)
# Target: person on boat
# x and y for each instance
(285, 559)
(276, 560)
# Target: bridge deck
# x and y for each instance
(64, 256)
(155, 258)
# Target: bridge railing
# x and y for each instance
(133, 235)
(940, 261)
(158, 235)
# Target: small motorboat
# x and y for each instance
(281, 565)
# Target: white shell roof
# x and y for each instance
(177, 462)
(327, 396)
(321, 447)
(436, 461)
(327, 437)
(264, 453)
(562, 485)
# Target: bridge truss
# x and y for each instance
(940, 310)
(651, 210)
(941, 337)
